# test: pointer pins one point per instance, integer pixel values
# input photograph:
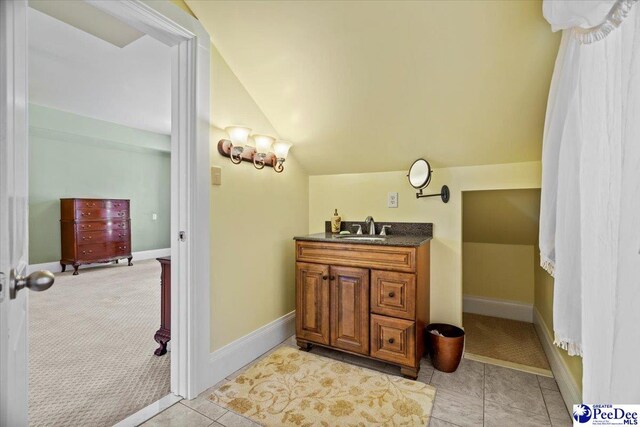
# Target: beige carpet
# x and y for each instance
(293, 388)
(91, 360)
(511, 341)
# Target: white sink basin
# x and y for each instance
(361, 238)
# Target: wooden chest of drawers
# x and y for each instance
(369, 300)
(93, 231)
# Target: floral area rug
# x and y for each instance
(294, 388)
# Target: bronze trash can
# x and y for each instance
(445, 346)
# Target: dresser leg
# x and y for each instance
(130, 263)
(411, 373)
(117, 261)
(162, 339)
(75, 269)
(64, 267)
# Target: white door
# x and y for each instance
(13, 215)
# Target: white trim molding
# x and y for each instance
(566, 383)
(55, 267)
(190, 209)
(498, 308)
(149, 411)
(233, 356)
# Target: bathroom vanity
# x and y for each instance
(366, 295)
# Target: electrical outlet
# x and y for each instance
(154, 217)
(392, 200)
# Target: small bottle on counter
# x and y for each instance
(336, 220)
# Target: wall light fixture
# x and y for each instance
(261, 150)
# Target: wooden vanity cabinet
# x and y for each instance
(368, 300)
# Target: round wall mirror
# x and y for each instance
(419, 174)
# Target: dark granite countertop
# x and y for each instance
(400, 234)
(391, 240)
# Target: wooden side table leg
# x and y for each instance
(64, 267)
(130, 263)
(75, 269)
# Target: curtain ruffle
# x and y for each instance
(573, 348)
(614, 19)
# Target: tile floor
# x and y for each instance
(477, 394)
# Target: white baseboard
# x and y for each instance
(55, 267)
(233, 356)
(498, 308)
(568, 387)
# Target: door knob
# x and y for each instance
(37, 281)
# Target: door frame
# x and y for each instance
(190, 157)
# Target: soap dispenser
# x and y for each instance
(335, 222)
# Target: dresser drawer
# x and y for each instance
(89, 214)
(393, 340)
(103, 251)
(397, 258)
(102, 225)
(116, 204)
(393, 294)
(103, 236)
(88, 204)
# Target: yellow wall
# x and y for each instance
(502, 216)
(254, 215)
(358, 195)
(503, 272)
(544, 306)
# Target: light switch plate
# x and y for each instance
(392, 200)
(154, 216)
(216, 175)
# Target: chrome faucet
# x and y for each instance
(372, 225)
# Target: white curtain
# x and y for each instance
(590, 211)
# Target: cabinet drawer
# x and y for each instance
(393, 340)
(103, 236)
(393, 294)
(89, 214)
(396, 258)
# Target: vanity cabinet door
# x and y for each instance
(312, 302)
(350, 309)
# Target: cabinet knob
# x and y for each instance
(332, 278)
(392, 294)
(391, 340)
(325, 277)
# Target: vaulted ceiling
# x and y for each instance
(89, 74)
(363, 86)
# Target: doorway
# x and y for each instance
(189, 45)
(99, 199)
(500, 235)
